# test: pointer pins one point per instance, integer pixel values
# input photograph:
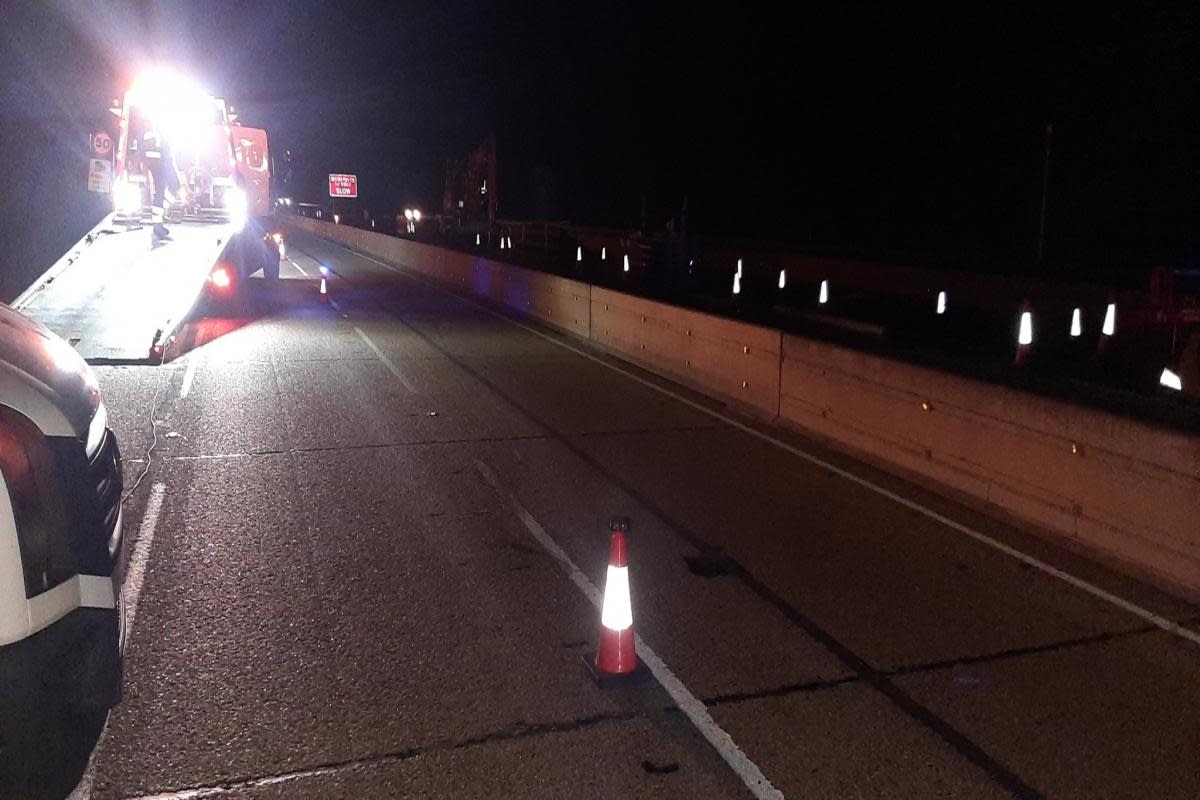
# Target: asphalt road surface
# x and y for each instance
(350, 576)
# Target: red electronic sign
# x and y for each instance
(343, 186)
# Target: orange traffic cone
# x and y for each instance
(616, 656)
(324, 292)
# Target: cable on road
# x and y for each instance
(149, 459)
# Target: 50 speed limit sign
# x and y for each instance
(101, 143)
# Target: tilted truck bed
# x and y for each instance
(115, 293)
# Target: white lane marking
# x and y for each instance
(1159, 621)
(298, 267)
(131, 594)
(386, 361)
(189, 375)
(688, 703)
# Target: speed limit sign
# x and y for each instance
(101, 143)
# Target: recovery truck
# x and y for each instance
(121, 293)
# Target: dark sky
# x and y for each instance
(861, 125)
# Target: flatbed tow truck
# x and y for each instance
(121, 294)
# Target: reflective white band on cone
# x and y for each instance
(617, 614)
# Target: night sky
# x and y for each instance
(855, 125)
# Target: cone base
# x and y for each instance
(610, 680)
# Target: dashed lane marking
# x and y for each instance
(189, 374)
(386, 361)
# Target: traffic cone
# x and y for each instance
(616, 657)
(324, 292)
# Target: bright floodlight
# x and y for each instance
(177, 106)
(408, 214)
(1110, 320)
(238, 206)
(1170, 380)
(1025, 334)
(127, 197)
(1076, 323)
(416, 215)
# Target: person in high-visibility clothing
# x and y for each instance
(157, 152)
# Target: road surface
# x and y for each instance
(351, 579)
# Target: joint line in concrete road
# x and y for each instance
(386, 361)
(1128, 606)
(131, 595)
(688, 703)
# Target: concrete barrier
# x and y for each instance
(556, 301)
(1109, 484)
(722, 357)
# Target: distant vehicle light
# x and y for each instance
(337, 219)
(408, 214)
(823, 296)
(1076, 323)
(416, 215)
(221, 278)
(1170, 380)
(782, 279)
(324, 270)
(941, 303)
(278, 237)
(1110, 320)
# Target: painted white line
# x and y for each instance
(298, 267)
(189, 374)
(1128, 606)
(688, 703)
(386, 361)
(131, 595)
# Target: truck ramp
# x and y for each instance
(117, 293)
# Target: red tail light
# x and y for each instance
(221, 278)
(28, 468)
